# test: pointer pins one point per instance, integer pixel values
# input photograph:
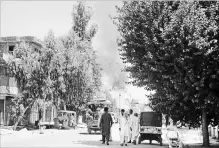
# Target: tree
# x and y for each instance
(81, 16)
(81, 71)
(64, 71)
(37, 75)
(52, 65)
(23, 67)
(173, 48)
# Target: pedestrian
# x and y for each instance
(71, 120)
(60, 121)
(101, 111)
(105, 125)
(124, 128)
(41, 127)
(65, 121)
(130, 125)
(135, 128)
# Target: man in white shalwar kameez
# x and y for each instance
(131, 116)
(124, 128)
(135, 128)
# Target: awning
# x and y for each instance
(3, 96)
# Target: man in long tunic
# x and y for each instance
(131, 116)
(105, 125)
(124, 128)
(135, 128)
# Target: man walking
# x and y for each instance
(135, 128)
(130, 125)
(105, 125)
(124, 128)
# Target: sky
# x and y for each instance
(36, 18)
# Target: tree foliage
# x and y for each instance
(173, 49)
(24, 66)
(81, 65)
(64, 71)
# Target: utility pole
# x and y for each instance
(119, 103)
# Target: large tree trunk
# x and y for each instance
(167, 120)
(205, 128)
(19, 118)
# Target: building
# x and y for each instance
(8, 85)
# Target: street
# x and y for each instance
(66, 138)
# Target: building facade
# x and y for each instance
(8, 85)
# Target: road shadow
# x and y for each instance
(90, 134)
(87, 143)
(116, 144)
(153, 144)
(199, 145)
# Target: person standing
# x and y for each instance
(72, 120)
(122, 115)
(65, 121)
(130, 125)
(124, 128)
(135, 128)
(105, 125)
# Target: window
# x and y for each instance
(11, 49)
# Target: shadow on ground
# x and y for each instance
(200, 146)
(116, 144)
(90, 134)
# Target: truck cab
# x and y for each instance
(94, 113)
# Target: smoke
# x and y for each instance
(105, 44)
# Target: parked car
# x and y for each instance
(63, 119)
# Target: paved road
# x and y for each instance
(66, 138)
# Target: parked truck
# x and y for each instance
(94, 113)
(150, 127)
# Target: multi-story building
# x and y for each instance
(8, 85)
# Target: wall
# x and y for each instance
(3, 47)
